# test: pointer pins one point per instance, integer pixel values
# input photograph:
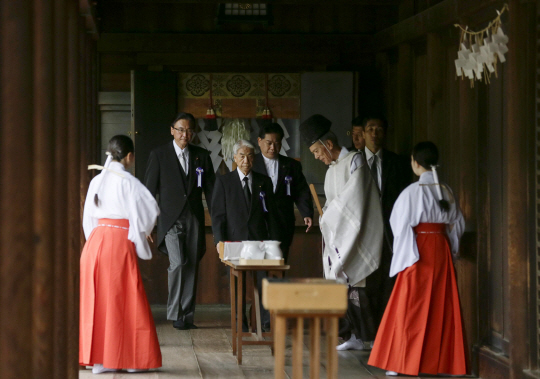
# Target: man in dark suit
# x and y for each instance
(289, 184)
(243, 206)
(178, 173)
(392, 174)
(357, 135)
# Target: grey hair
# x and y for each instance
(242, 143)
(329, 136)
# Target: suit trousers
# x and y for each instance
(182, 246)
(367, 304)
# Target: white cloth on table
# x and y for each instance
(418, 203)
(351, 224)
(122, 197)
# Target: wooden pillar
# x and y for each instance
(403, 124)
(60, 175)
(16, 195)
(43, 132)
(73, 196)
(518, 166)
(83, 162)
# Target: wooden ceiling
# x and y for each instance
(289, 16)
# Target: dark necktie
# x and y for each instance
(247, 192)
(374, 172)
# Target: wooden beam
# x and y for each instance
(246, 59)
(292, 2)
(434, 18)
(230, 43)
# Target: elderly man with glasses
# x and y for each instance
(179, 173)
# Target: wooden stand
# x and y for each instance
(238, 277)
(316, 299)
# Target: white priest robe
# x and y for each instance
(418, 203)
(122, 196)
(352, 223)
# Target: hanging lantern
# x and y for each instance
(266, 115)
(210, 122)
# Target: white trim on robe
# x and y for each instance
(122, 198)
(418, 203)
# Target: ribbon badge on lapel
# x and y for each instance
(199, 171)
(262, 195)
(288, 180)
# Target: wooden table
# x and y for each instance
(300, 299)
(238, 277)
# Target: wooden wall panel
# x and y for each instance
(420, 103)
(474, 128)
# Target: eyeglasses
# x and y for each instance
(182, 130)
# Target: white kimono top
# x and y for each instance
(122, 197)
(418, 203)
(351, 224)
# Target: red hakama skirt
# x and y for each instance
(116, 325)
(421, 329)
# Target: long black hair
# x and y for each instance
(119, 147)
(426, 155)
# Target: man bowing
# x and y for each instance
(351, 225)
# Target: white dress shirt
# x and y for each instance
(369, 158)
(185, 151)
(272, 169)
(250, 179)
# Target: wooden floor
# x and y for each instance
(207, 353)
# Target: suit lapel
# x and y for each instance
(192, 165)
(258, 164)
(386, 168)
(283, 171)
(256, 189)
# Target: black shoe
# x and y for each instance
(266, 327)
(180, 325)
(190, 325)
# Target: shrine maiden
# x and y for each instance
(117, 330)
(421, 330)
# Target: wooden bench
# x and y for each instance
(300, 299)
